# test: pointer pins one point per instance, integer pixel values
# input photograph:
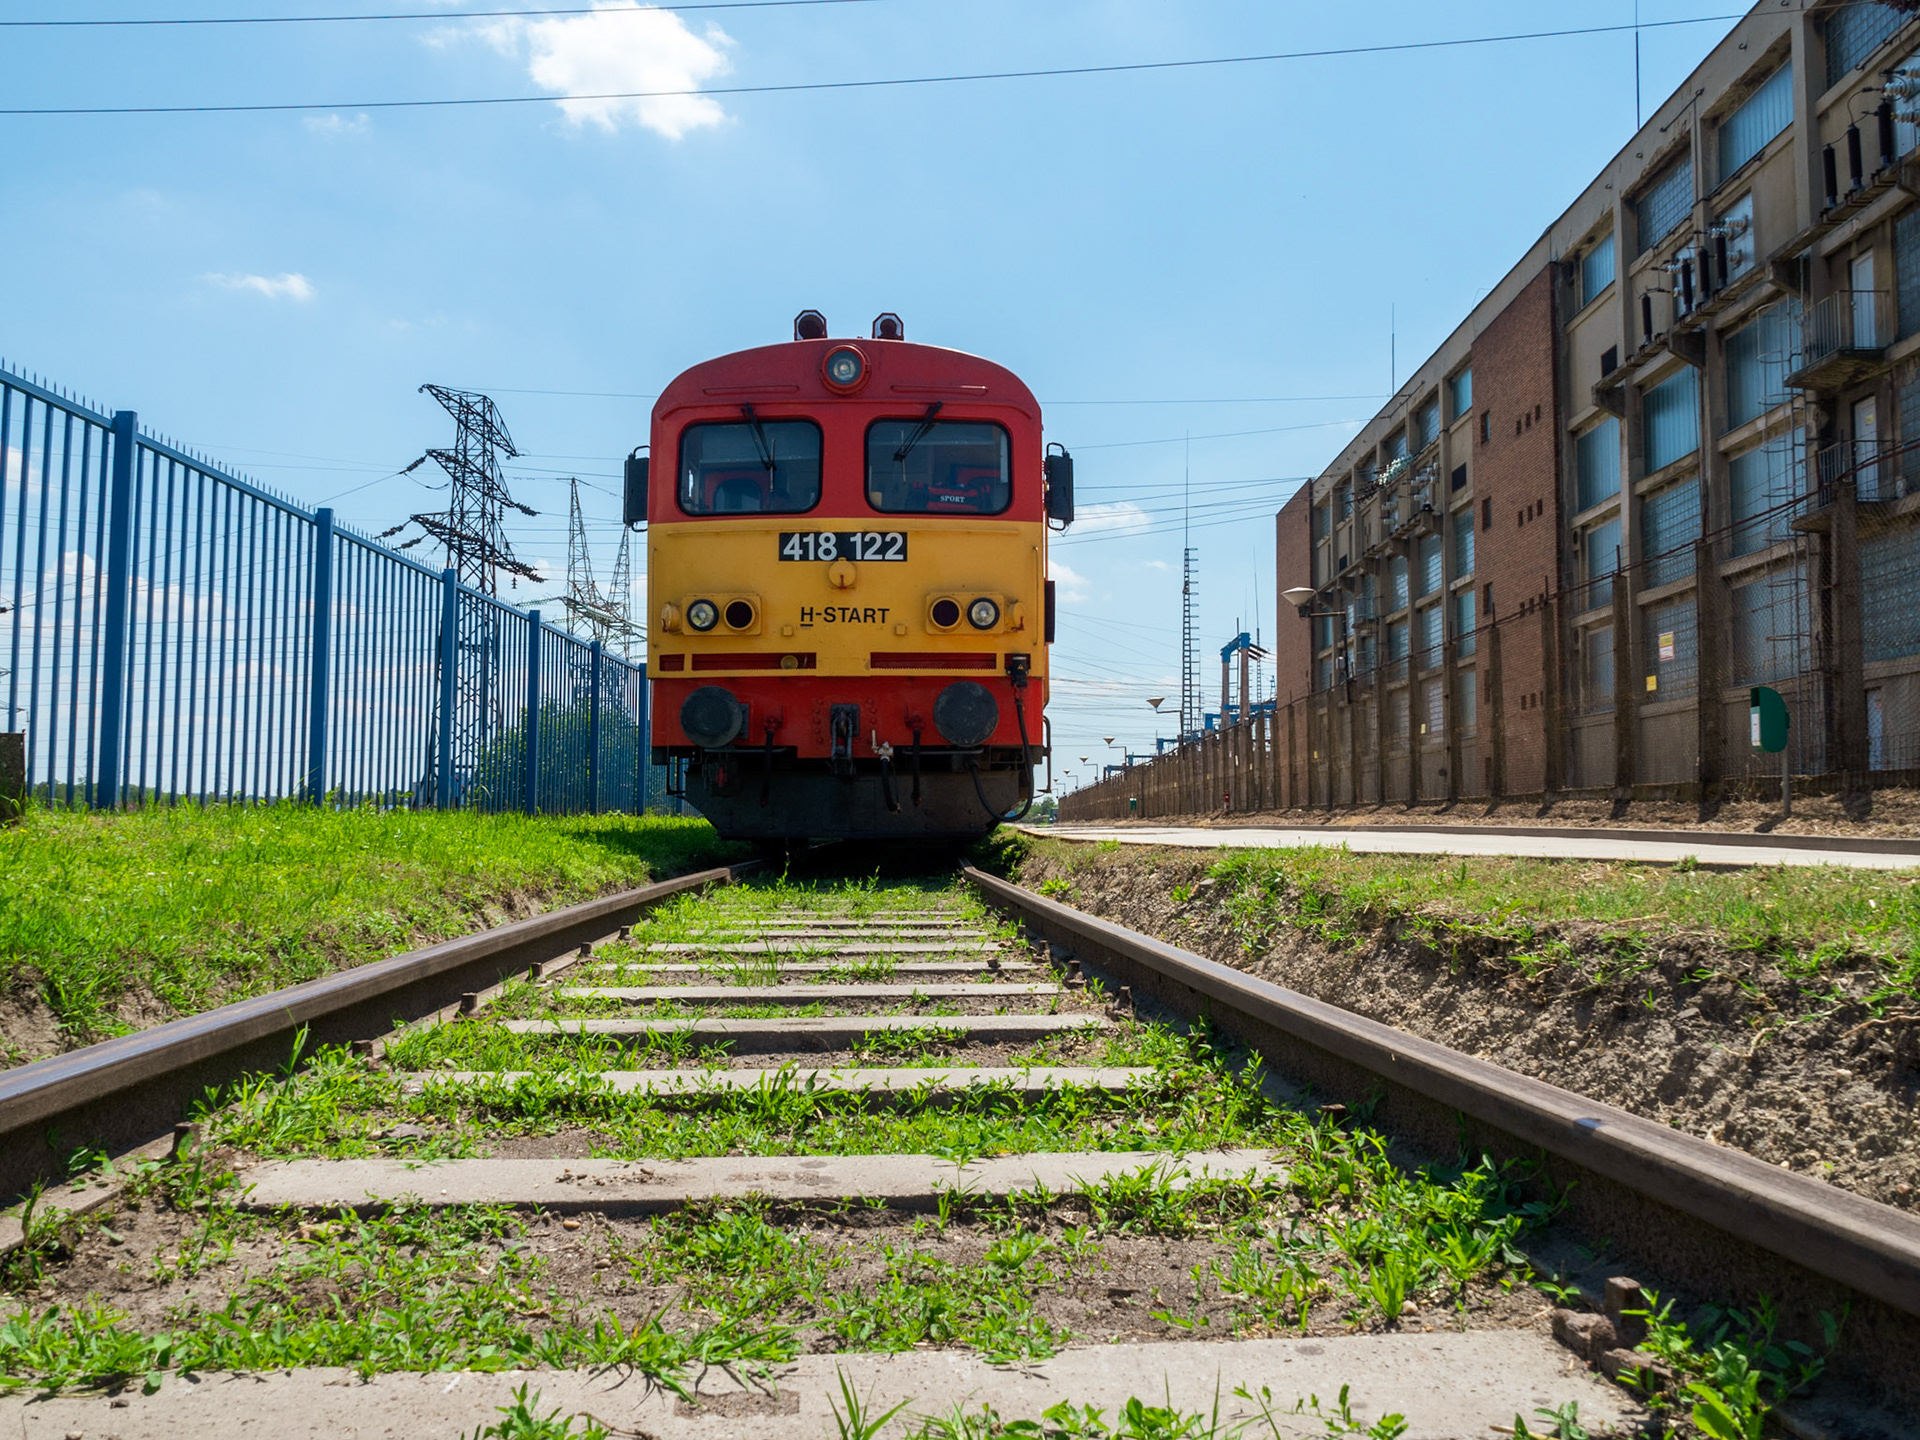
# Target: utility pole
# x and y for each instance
(619, 594)
(472, 531)
(1189, 675)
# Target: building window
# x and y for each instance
(1465, 641)
(1486, 513)
(1907, 401)
(1906, 270)
(1772, 628)
(1596, 670)
(1395, 448)
(1428, 629)
(1426, 423)
(1323, 673)
(1889, 615)
(1397, 583)
(1673, 651)
(1854, 32)
(1671, 411)
(1596, 269)
(1768, 111)
(1397, 715)
(1459, 394)
(1320, 521)
(1599, 558)
(1762, 486)
(1427, 566)
(1462, 542)
(1596, 464)
(1343, 500)
(1433, 707)
(1760, 356)
(1665, 204)
(1466, 700)
(1670, 523)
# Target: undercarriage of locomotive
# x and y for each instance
(932, 794)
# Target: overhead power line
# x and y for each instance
(441, 16)
(896, 82)
(1047, 404)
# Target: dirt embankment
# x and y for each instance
(1703, 1038)
(1883, 814)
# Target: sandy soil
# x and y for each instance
(1893, 814)
(1106, 1295)
(1729, 1058)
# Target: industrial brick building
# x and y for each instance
(1674, 454)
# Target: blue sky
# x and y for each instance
(1216, 252)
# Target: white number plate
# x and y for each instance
(843, 545)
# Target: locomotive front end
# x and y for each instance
(847, 584)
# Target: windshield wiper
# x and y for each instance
(919, 431)
(760, 439)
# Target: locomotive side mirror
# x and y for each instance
(634, 506)
(1059, 473)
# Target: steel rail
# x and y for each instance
(1856, 1243)
(122, 1092)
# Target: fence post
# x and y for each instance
(1552, 689)
(646, 741)
(322, 652)
(1847, 723)
(449, 659)
(593, 736)
(1709, 630)
(113, 643)
(1626, 651)
(530, 802)
(1494, 762)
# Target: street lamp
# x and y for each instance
(1301, 597)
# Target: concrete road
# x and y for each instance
(1719, 849)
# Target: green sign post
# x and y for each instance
(1768, 723)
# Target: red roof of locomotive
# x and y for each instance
(898, 372)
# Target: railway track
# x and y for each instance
(749, 1158)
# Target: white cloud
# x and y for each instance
(1156, 565)
(1121, 516)
(1072, 585)
(620, 48)
(275, 287)
(338, 124)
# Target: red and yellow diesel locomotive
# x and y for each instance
(847, 580)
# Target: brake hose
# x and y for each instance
(886, 786)
(1020, 715)
(916, 765)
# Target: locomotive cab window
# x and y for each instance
(750, 467)
(938, 467)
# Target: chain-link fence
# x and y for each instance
(1634, 684)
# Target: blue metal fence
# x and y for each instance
(171, 632)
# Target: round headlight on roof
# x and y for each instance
(703, 615)
(983, 614)
(844, 368)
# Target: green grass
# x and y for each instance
(412, 1290)
(177, 910)
(1809, 922)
